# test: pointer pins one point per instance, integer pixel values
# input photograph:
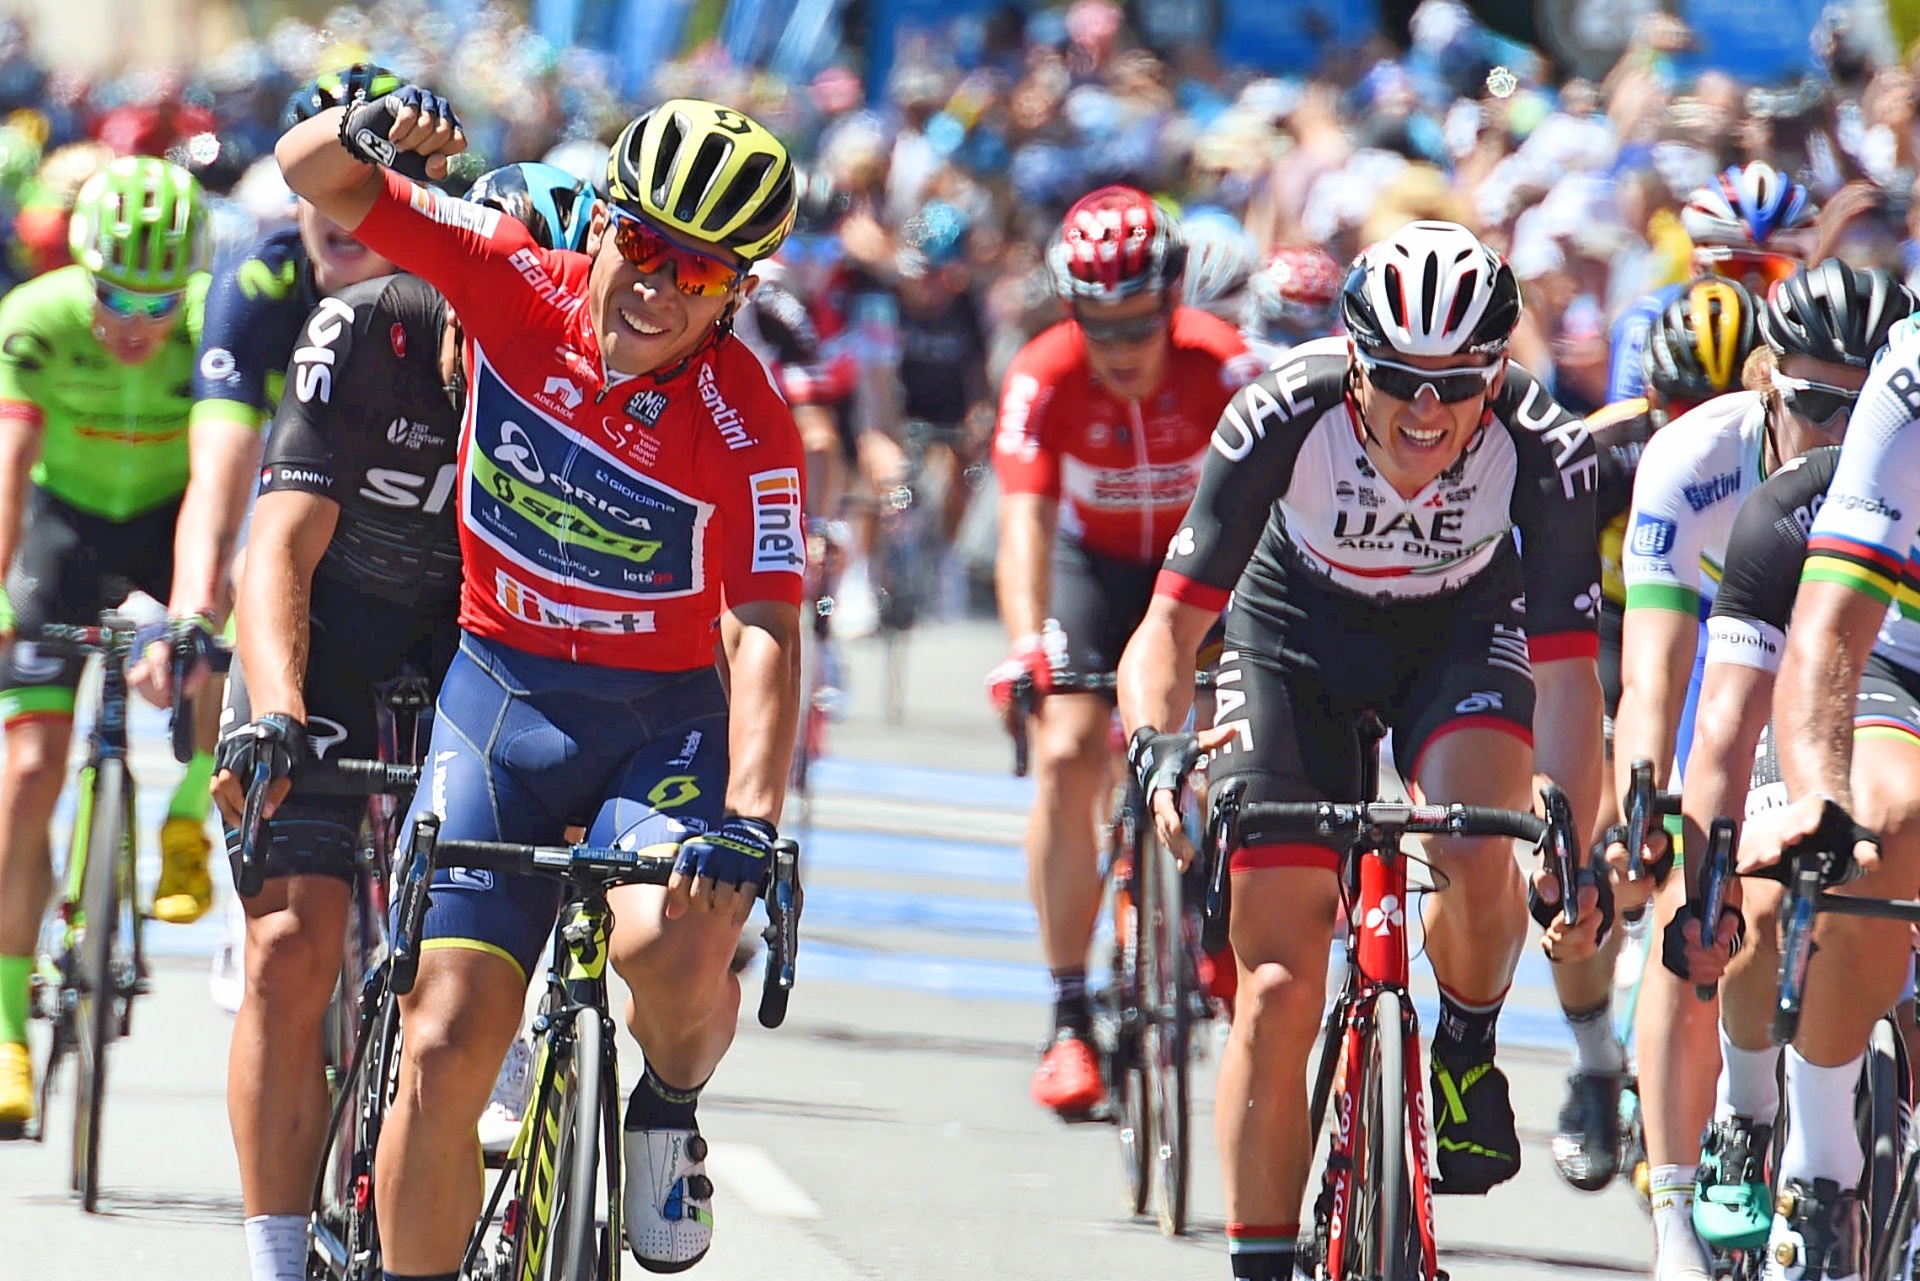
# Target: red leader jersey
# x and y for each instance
(1123, 470)
(606, 520)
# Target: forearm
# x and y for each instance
(1654, 673)
(1022, 572)
(764, 668)
(1720, 768)
(273, 632)
(226, 457)
(1155, 682)
(318, 167)
(1568, 707)
(1814, 711)
(19, 447)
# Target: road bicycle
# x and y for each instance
(819, 699)
(92, 963)
(1890, 1181)
(1153, 1003)
(1373, 1218)
(553, 1213)
(1643, 806)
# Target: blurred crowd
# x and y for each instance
(1004, 119)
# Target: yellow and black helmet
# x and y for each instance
(708, 171)
(1699, 345)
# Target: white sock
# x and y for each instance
(1749, 1085)
(277, 1247)
(1677, 1251)
(1821, 1143)
(1595, 1048)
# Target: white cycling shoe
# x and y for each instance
(669, 1199)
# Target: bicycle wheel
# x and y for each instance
(558, 1230)
(94, 1021)
(1126, 1064)
(1893, 1258)
(345, 1232)
(1877, 1116)
(1167, 1000)
(1383, 1244)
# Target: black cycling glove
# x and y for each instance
(365, 126)
(1161, 762)
(276, 739)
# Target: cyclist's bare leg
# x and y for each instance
(1677, 1046)
(1477, 926)
(1282, 927)
(30, 786)
(684, 1001)
(1071, 759)
(1751, 984)
(882, 462)
(276, 1082)
(455, 1027)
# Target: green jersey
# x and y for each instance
(115, 436)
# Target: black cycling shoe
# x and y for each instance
(1586, 1148)
(1816, 1233)
(1474, 1144)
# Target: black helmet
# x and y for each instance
(1834, 312)
(337, 89)
(1702, 340)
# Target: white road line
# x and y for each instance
(749, 1173)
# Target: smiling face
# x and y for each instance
(644, 320)
(1413, 441)
(338, 259)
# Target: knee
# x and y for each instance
(290, 968)
(36, 766)
(1073, 758)
(452, 1056)
(1481, 869)
(676, 968)
(1277, 1009)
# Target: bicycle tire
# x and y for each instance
(1893, 1258)
(1127, 1071)
(1383, 1239)
(353, 1131)
(1169, 1029)
(1877, 1115)
(576, 1229)
(94, 1020)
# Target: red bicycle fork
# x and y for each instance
(1377, 944)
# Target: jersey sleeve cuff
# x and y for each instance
(225, 411)
(1178, 587)
(1669, 596)
(22, 411)
(1555, 646)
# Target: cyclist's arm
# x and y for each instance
(21, 430)
(1028, 467)
(1734, 703)
(1553, 507)
(291, 531)
(761, 640)
(1155, 680)
(1660, 632)
(317, 167)
(223, 458)
(1858, 553)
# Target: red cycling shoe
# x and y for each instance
(1068, 1079)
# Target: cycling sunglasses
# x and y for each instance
(1816, 402)
(698, 275)
(1122, 333)
(128, 304)
(1406, 382)
(1744, 265)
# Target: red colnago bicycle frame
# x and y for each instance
(1377, 920)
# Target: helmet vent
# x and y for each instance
(1429, 291)
(752, 175)
(673, 134)
(707, 162)
(1463, 296)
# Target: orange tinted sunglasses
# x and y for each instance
(696, 274)
(1740, 264)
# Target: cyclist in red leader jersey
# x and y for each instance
(629, 496)
(1104, 422)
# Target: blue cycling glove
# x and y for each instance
(737, 852)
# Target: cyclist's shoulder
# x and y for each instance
(1714, 434)
(1193, 330)
(274, 273)
(1627, 416)
(1056, 354)
(733, 391)
(56, 305)
(1644, 309)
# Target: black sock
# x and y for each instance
(1260, 1253)
(1466, 1031)
(655, 1105)
(1274, 1266)
(1070, 1008)
(423, 1276)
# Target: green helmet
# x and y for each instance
(140, 224)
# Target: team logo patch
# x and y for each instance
(646, 407)
(1652, 536)
(776, 522)
(216, 365)
(398, 337)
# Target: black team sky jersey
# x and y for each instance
(367, 422)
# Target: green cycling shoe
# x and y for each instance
(1732, 1206)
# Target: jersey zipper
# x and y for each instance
(1146, 481)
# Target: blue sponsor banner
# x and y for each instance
(1767, 45)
